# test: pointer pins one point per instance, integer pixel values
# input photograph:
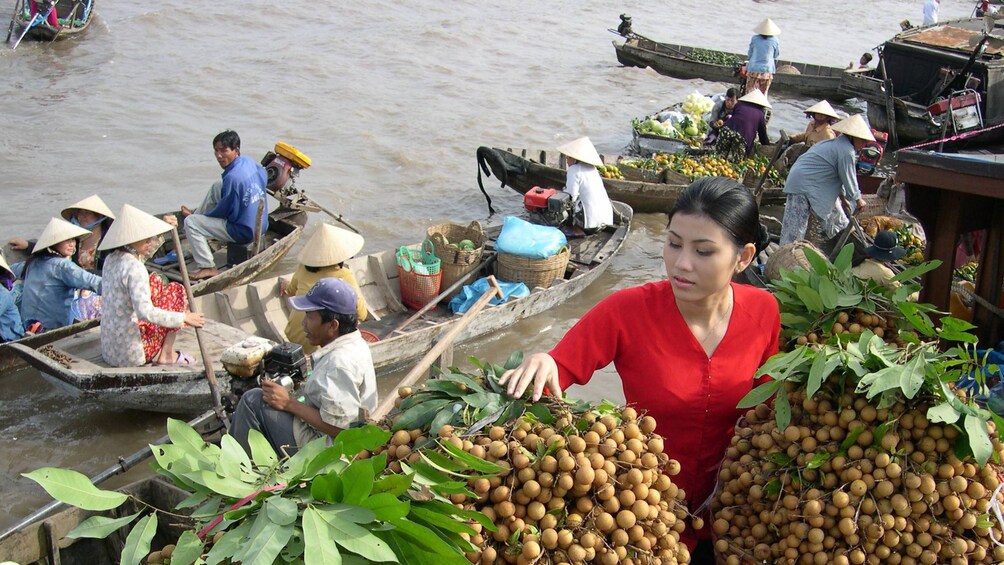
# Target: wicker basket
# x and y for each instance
(788, 256)
(456, 262)
(418, 290)
(533, 272)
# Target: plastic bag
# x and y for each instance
(524, 239)
(470, 294)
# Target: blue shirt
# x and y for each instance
(48, 289)
(244, 183)
(823, 172)
(762, 53)
(11, 327)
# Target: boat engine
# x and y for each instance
(256, 359)
(282, 166)
(548, 206)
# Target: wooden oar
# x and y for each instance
(123, 465)
(214, 387)
(778, 151)
(419, 370)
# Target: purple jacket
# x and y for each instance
(749, 121)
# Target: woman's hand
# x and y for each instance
(283, 287)
(18, 244)
(539, 369)
(275, 395)
(195, 319)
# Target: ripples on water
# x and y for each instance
(390, 100)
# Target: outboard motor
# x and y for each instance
(548, 205)
(282, 166)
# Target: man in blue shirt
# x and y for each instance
(229, 211)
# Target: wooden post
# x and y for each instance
(445, 358)
(256, 246)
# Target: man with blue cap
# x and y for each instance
(339, 392)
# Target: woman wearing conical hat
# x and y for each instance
(322, 257)
(93, 215)
(585, 185)
(11, 327)
(763, 52)
(140, 314)
(51, 278)
(821, 117)
(749, 119)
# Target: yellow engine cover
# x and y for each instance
(293, 154)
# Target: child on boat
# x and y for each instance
(140, 314)
(11, 327)
(51, 278)
(322, 257)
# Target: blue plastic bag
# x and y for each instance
(524, 239)
(993, 375)
(463, 301)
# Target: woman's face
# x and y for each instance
(700, 257)
(144, 246)
(86, 217)
(66, 248)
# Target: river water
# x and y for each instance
(389, 99)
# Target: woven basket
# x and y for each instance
(533, 272)
(788, 256)
(456, 262)
(418, 290)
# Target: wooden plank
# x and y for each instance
(226, 309)
(381, 280)
(262, 321)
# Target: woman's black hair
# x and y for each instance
(347, 323)
(728, 203)
(310, 269)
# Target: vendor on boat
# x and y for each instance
(686, 349)
(723, 108)
(884, 249)
(50, 15)
(140, 313)
(820, 177)
(340, 391)
(11, 327)
(763, 52)
(592, 208)
(821, 117)
(93, 215)
(51, 278)
(229, 216)
(749, 119)
(322, 257)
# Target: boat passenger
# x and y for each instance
(93, 215)
(11, 327)
(234, 211)
(592, 208)
(322, 257)
(863, 62)
(885, 249)
(749, 119)
(51, 278)
(686, 349)
(340, 391)
(723, 108)
(819, 177)
(821, 116)
(51, 17)
(931, 11)
(763, 52)
(140, 313)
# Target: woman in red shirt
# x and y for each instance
(686, 348)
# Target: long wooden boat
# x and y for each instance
(74, 18)
(257, 308)
(523, 169)
(686, 62)
(44, 542)
(922, 72)
(284, 229)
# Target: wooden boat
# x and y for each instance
(258, 309)
(284, 229)
(74, 17)
(44, 542)
(922, 72)
(523, 169)
(685, 62)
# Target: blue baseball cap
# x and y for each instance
(328, 294)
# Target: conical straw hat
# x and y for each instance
(4, 265)
(330, 246)
(132, 225)
(767, 27)
(581, 150)
(93, 203)
(756, 97)
(823, 108)
(854, 126)
(57, 231)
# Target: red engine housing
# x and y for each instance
(535, 199)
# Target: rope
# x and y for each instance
(955, 137)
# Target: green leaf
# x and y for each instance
(772, 488)
(265, 542)
(916, 271)
(184, 436)
(229, 544)
(319, 544)
(915, 314)
(351, 513)
(227, 486)
(297, 465)
(828, 294)
(822, 367)
(817, 460)
(444, 417)
(282, 511)
(819, 265)
(759, 395)
(439, 520)
(782, 411)
(387, 507)
(395, 485)
(137, 545)
(542, 413)
(99, 527)
(471, 461)
(232, 457)
(881, 380)
(357, 482)
(357, 539)
(851, 439)
(811, 299)
(420, 415)
(913, 376)
(188, 549)
(75, 489)
(842, 263)
(261, 450)
(443, 462)
(514, 360)
(327, 487)
(979, 439)
(779, 459)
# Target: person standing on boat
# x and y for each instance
(93, 215)
(51, 17)
(931, 11)
(686, 349)
(232, 218)
(763, 52)
(821, 116)
(322, 257)
(11, 327)
(140, 314)
(51, 278)
(592, 208)
(820, 177)
(341, 389)
(749, 119)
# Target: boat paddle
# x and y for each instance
(214, 387)
(419, 370)
(123, 465)
(782, 144)
(337, 217)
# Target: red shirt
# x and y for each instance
(666, 372)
